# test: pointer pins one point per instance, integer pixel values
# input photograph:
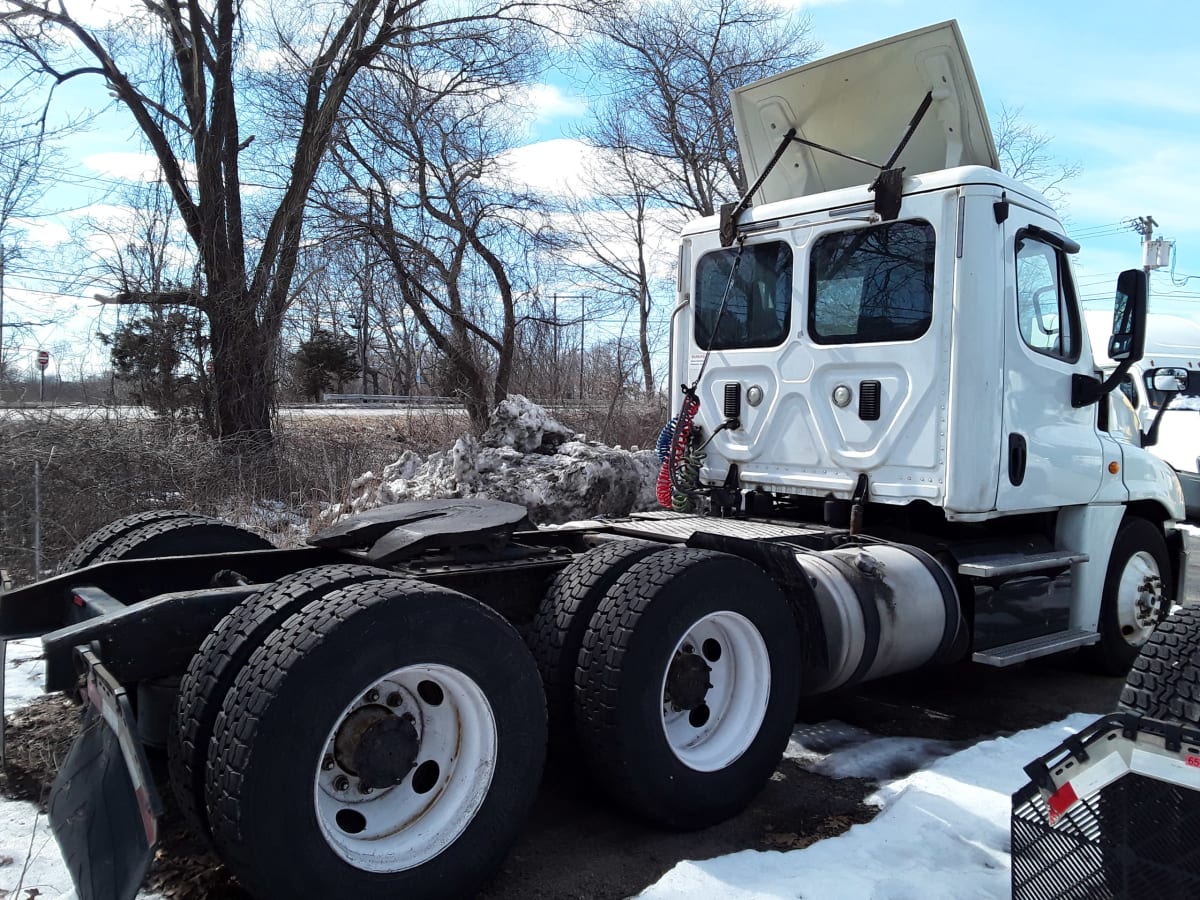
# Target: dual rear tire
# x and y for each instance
(345, 733)
(685, 689)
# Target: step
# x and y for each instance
(1031, 648)
(1008, 564)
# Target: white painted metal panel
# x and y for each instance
(860, 103)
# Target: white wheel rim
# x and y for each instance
(395, 828)
(712, 736)
(1139, 598)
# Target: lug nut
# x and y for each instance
(394, 699)
(372, 695)
(327, 763)
(364, 789)
(341, 783)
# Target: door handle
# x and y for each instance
(1018, 454)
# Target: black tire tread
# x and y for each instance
(215, 666)
(605, 644)
(561, 621)
(599, 687)
(260, 682)
(1164, 682)
(129, 546)
(90, 548)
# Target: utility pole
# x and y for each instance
(1145, 225)
(1156, 254)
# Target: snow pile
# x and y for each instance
(525, 456)
(943, 833)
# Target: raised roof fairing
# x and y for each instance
(860, 103)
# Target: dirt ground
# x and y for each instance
(577, 845)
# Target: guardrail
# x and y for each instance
(391, 399)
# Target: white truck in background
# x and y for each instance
(1172, 350)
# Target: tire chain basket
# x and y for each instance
(1113, 812)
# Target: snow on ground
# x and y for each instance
(525, 456)
(29, 857)
(943, 831)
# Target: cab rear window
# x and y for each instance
(751, 309)
(872, 284)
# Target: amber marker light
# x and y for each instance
(1114, 467)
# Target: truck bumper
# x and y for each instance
(104, 808)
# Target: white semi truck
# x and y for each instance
(1168, 421)
(894, 449)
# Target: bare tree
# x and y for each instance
(23, 154)
(619, 231)
(426, 187)
(667, 70)
(1024, 152)
(664, 130)
(188, 72)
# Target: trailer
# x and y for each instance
(894, 449)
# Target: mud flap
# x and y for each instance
(104, 808)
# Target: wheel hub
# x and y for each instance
(687, 680)
(377, 746)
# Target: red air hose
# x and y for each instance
(679, 443)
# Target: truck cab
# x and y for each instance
(904, 341)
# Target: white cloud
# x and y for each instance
(43, 232)
(547, 101)
(552, 167)
(141, 167)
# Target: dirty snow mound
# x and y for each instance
(525, 456)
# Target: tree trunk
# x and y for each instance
(241, 380)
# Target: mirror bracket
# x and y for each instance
(1086, 390)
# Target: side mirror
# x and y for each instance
(1128, 341)
(1170, 380)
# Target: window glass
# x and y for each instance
(1045, 307)
(757, 310)
(872, 284)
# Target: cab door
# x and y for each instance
(1050, 454)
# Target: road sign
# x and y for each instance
(43, 358)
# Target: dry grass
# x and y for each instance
(97, 469)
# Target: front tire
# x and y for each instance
(386, 742)
(687, 686)
(1137, 592)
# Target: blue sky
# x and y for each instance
(1116, 85)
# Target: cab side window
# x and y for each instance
(1046, 310)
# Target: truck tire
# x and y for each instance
(562, 619)
(386, 742)
(182, 537)
(216, 664)
(1165, 680)
(1130, 609)
(94, 544)
(687, 690)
